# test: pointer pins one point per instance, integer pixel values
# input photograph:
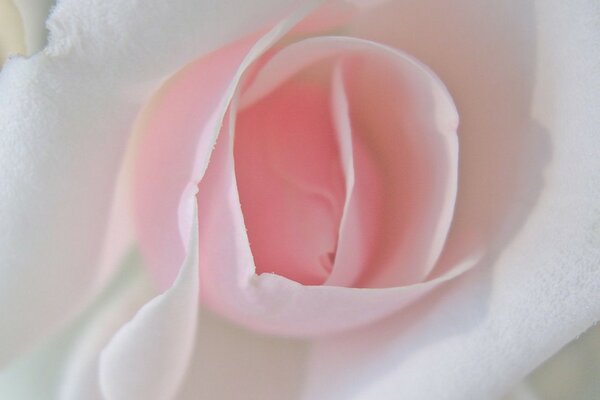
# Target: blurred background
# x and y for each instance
(573, 373)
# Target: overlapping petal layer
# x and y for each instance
(273, 302)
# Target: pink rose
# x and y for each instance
(291, 167)
(328, 197)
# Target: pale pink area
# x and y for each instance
(362, 218)
(290, 182)
(415, 147)
(404, 144)
(270, 302)
(334, 14)
(331, 15)
(310, 171)
(167, 146)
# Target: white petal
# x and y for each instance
(37, 374)
(79, 377)
(147, 358)
(57, 364)
(482, 334)
(230, 363)
(65, 117)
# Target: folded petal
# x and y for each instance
(123, 298)
(148, 357)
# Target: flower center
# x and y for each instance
(290, 182)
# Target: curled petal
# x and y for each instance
(147, 358)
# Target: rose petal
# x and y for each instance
(333, 14)
(147, 358)
(166, 169)
(66, 114)
(80, 374)
(290, 182)
(60, 361)
(270, 302)
(491, 327)
(264, 367)
(366, 3)
(354, 232)
(416, 152)
(415, 145)
(164, 166)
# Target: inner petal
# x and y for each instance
(290, 182)
(405, 118)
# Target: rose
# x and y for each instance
(356, 194)
(53, 64)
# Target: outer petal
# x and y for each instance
(65, 117)
(147, 358)
(493, 326)
(230, 361)
(55, 368)
(71, 366)
(79, 377)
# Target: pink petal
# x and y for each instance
(408, 123)
(290, 182)
(362, 215)
(167, 153)
(167, 169)
(271, 302)
(415, 145)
